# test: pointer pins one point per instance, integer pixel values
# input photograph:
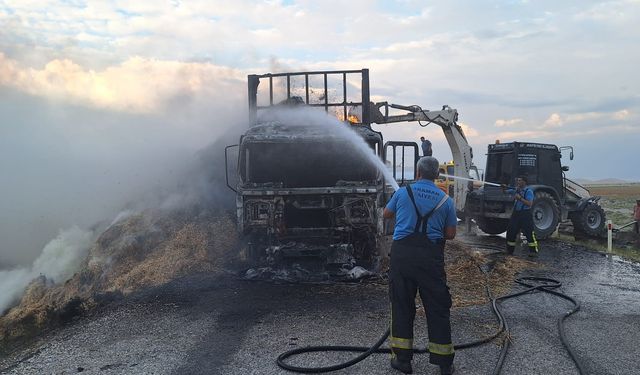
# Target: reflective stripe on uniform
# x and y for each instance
(400, 343)
(511, 243)
(393, 355)
(442, 349)
(535, 241)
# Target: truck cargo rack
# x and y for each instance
(307, 92)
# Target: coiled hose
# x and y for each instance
(546, 285)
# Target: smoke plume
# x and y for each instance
(77, 159)
(59, 260)
(306, 116)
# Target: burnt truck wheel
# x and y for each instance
(590, 221)
(493, 226)
(546, 215)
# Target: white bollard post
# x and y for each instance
(609, 236)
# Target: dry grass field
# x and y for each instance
(620, 190)
(617, 201)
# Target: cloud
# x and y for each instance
(126, 87)
(611, 11)
(621, 115)
(531, 135)
(507, 122)
(553, 121)
(557, 120)
(468, 130)
(580, 117)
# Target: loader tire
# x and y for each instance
(546, 215)
(493, 226)
(590, 221)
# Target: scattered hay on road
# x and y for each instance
(467, 282)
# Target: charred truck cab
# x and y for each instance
(305, 195)
(557, 198)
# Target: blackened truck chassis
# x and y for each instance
(338, 225)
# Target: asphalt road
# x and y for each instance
(219, 324)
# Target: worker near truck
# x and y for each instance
(426, 147)
(425, 218)
(521, 219)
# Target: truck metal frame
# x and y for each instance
(303, 195)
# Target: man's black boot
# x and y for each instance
(402, 366)
(447, 370)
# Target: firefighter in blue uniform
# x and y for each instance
(521, 218)
(425, 218)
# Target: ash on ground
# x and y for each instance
(470, 270)
(297, 273)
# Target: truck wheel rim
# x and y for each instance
(593, 220)
(543, 216)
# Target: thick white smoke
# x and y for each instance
(80, 146)
(77, 155)
(59, 260)
(62, 256)
(306, 116)
(12, 285)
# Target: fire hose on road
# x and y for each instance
(532, 284)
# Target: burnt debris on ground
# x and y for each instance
(152, 248)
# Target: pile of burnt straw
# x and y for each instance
(141, 251)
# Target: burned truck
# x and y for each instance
(307, 192)
(310, 189)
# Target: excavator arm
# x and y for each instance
(447, 119)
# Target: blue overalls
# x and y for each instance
(417, 264)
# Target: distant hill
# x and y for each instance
(604, 181)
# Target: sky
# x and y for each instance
(101, 101)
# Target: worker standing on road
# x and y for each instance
(426, 147)
(521, 218)
(425, 219)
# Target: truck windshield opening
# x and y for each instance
(302, 164)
